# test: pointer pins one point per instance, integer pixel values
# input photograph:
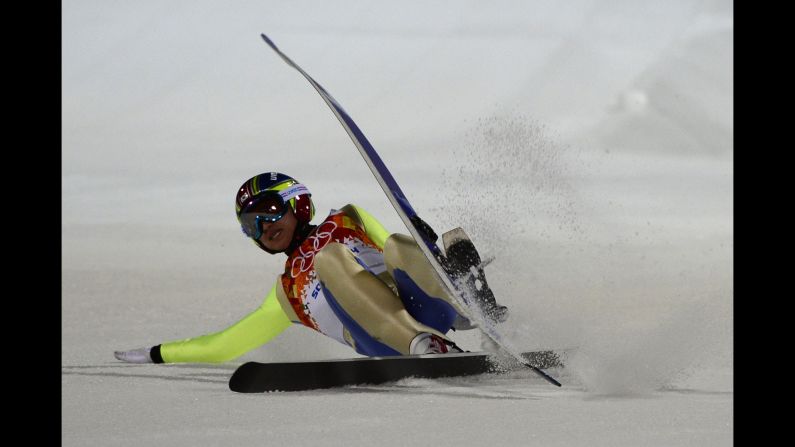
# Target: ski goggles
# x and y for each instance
(268, 206)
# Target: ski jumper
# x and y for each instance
(350, 280)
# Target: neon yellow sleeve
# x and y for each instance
(253, 331)
(375, 231)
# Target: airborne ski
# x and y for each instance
(255, 377)
(420, 231)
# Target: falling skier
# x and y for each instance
(346, 277)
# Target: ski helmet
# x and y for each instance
(265, 198)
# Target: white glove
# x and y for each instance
(140, 355)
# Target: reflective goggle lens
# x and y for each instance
(266, 207)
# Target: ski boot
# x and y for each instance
(463, 263)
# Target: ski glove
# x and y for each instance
(140, 355)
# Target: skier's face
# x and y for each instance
(276, 236)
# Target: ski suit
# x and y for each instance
(350, 280)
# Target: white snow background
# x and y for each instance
(586, 145)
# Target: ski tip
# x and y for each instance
(267, 40)
(240, 382)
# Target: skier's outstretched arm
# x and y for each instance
(253, 331)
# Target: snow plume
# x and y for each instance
(649, 357)
(510, 171)
(624, 258)
(509, 189)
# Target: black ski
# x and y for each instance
(256, 377)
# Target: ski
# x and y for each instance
(256, 377)
(464, 302)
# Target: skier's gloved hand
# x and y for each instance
(140, 355)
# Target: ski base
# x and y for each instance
(256, 377)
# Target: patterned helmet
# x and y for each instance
(265, 197)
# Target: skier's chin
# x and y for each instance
(277, 240)
(277, 247)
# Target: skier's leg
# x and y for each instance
(422, 294)
(408, 265)
(370, 311)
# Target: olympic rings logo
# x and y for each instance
(304, 262)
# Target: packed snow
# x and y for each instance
(587, 146)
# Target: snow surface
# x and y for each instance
(586, 145)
